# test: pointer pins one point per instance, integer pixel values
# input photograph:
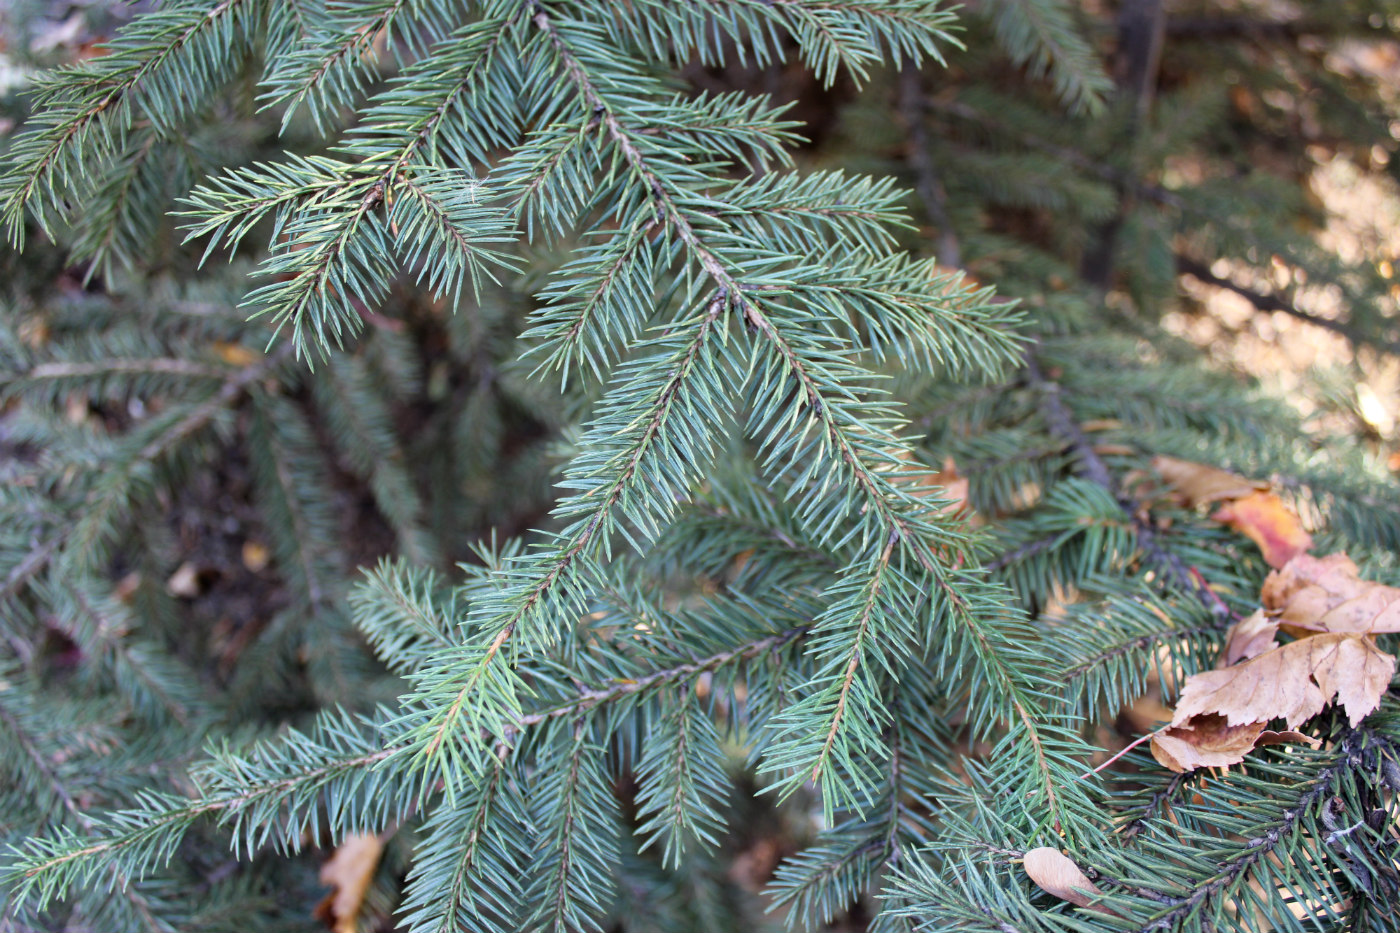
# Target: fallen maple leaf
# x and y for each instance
(1208, 741)
(1055, 873)
(349, 872)
(1249, 507)
(1293, 682)
(1269, 523)
(1325, 595)
(1197, 483)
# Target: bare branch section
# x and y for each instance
(1269, 303)
(1062, 423)
(912, 108)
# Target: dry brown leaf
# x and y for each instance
(1209, 741)
(234, 354)
(1269, 523)
(1197, 483)
(1293, 683)
(256, 556)
(1286, 737)
(184, 581)
(349, 872)
(946, 483)
(1249, 638)
(957, 488)
(1205, 742)
(1326, 595)
(1055, 873)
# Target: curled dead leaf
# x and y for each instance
(1268, 522)
(349, 871)
(1208, 741)
(1055, 873)
(1293, 683)
(1325, 594)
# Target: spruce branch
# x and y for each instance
(233, 389)
(322, 72)
(591, 699)
(479, 853)
(731, 292)
(594, 522)
(1276, 842)
(142, 70)
(1042, 36)
(741, 563)
(329, 765)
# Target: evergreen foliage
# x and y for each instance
(541, 291)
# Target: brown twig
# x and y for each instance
(927, 183)
(1091, 466)
(1127, 748)
(1269, 303)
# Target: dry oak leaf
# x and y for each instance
(1292, 683)
(1266, 521)
(1055, 873)
(1197, 483)
(1209, 741)
(349, 871)
(1249, 638)
(1324, 594)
